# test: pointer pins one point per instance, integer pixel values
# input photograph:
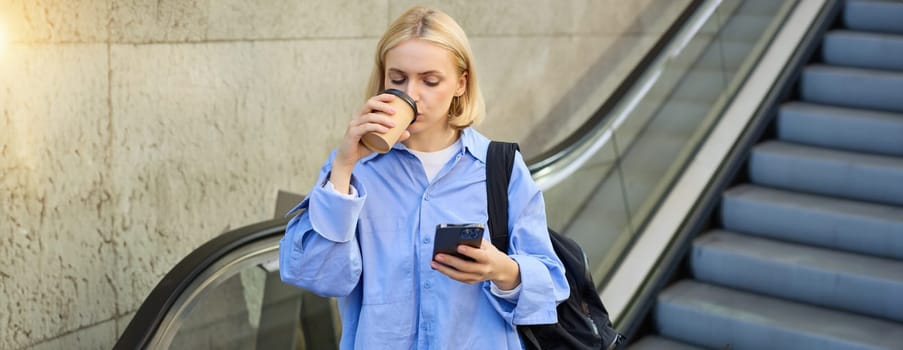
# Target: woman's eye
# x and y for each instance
(431, 83)
(397, 82)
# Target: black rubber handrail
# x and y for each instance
(153, 310)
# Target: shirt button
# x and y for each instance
(427, 284)
(426, 241)
(426, 197)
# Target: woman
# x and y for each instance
(366, 236)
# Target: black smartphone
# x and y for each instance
(449, 236)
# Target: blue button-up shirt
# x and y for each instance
(373, 252)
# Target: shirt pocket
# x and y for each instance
(388, 259)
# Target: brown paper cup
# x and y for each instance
(405, 112)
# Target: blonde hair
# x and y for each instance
(440, 29)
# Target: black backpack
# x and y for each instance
(583, 322)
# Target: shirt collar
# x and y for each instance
(473, 143)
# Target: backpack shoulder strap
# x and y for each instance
(499, 164)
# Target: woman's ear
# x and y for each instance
(462, 85)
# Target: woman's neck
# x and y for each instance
(433, 141)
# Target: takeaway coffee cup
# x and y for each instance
(405, 113)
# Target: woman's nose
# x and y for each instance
(411, 91)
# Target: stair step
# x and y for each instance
(838, 224)
(651, 342)
(842, 128)
(717, 317)
(828, 172)
(853, 87)
(876, 16)
(817, 276)
(864, 49)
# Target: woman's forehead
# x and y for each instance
(419, 56)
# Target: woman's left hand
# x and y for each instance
(489, 264)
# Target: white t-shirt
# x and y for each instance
(435, 161)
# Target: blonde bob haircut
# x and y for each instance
(439, 29)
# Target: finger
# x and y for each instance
(452, 261)
(478, 254)
(366, 128)
(379, 103)
(375, 117)
(476, 268)
(455, 274)
(487, 245)
(371, 122)
(358, 130)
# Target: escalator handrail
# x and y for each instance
(155, 307)
(599, 117)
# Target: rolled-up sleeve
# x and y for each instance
(543, 283)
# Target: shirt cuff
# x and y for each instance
(352, 191)
(509, 295)
(334, 215)
(537, 302)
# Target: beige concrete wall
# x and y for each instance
(133, 131)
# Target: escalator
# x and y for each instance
(806, 248)
(605, 183)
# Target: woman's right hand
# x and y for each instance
(374, 116)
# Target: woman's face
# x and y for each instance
(428, 74)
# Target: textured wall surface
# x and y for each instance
(133, 131)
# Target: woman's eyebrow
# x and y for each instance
(433, 72)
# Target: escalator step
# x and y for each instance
(719, 317)
(842, 128)
(828, 172)
(816, 276)
(876, 16)
(853, 87)
(863, 49)
(838, 224)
